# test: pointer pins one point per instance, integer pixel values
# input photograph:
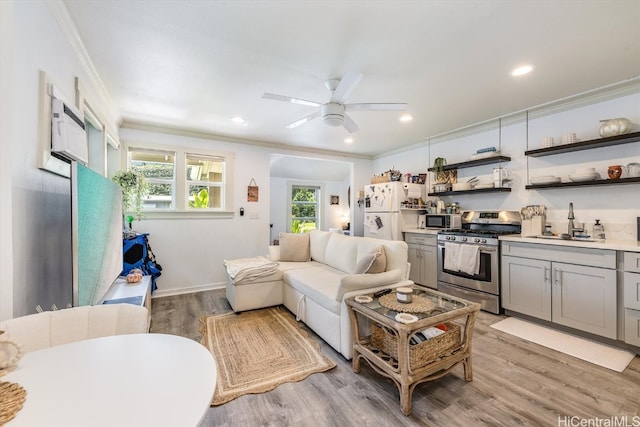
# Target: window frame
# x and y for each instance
(180, 199)
(319, 205)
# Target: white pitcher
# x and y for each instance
(10, 351)
(632, 170)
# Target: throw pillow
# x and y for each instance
(294, 247)
(373, 262)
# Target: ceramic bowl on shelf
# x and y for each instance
(483, 186)
(585, 171)
(584, 177)
(461, 186)
(544, 179)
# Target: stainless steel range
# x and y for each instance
(469, 257)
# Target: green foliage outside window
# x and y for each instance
(304, 206)
(200, 199)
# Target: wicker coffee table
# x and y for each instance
(386, 343)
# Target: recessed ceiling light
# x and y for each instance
(406, 118)
(348, 140)
(521, 71)
(237, 119)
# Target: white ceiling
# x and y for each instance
(195, 64)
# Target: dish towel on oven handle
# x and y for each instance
(469, 259)
(451, 256)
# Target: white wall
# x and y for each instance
(616, 206)
(331, 215)
(192, 251)
(39, 204)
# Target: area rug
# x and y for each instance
(258, 350)
(593, 352)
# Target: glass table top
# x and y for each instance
(441, 303)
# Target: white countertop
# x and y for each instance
(615, 245)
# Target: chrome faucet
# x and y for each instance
(572, 228)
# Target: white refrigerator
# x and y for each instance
(382, 216)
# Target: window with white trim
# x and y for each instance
(305, 208)
(184, 179)
(158, 167)
(205, 176)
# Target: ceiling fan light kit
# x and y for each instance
(333, 112)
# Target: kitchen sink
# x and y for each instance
(574, 239)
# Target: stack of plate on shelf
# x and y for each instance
(484, 155)
(545, 179)
(584, 174)
(483, 186)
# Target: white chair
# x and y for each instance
(51, 328)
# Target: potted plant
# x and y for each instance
(443, 178)
(134, 190)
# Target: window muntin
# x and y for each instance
(205, 178)
(158, 167)
(305, 209)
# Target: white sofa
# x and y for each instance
(316, 272)
(51, 328)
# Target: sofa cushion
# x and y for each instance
(372, 262)
(318, 240)
(342, 252)
(294, 247)
(319, 283)
(396, 252)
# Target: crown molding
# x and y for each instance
(281, 148)
(68, 27)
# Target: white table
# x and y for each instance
(123, 380)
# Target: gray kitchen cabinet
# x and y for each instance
(554, 284)
(526, 286)
(631, 298)
(584, 298)
(423, 257)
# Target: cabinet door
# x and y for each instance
(526, 286)
(632, 327)
(415, 273)
(585, 298)
(430, 266)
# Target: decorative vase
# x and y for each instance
(614, 172)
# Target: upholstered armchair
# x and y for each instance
(51, 328)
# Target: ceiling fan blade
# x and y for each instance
(290, 99)
(304, 120)
(350, 125)
(346, 85)
(377, 106)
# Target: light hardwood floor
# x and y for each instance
(515, 382)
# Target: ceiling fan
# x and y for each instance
(333, 112)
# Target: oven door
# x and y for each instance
(486, 280)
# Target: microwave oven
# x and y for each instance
(440, 221)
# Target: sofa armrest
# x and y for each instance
(353, 282)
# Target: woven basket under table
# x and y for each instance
(419, 354)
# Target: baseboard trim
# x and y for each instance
(189, 290)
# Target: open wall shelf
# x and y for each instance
(585, 183)
(472, 163)
(585, 145)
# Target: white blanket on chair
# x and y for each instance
(244, 268)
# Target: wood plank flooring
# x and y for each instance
(515, 383)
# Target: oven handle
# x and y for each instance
(492, 249)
